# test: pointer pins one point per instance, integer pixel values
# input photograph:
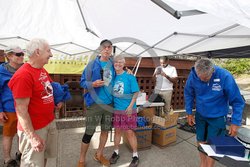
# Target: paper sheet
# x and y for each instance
(210, 152)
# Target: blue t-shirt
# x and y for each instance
(125, 85)
(105, 93)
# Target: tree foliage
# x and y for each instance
(235, 66)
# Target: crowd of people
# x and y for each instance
(27, 103)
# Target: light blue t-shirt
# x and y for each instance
(125, 85)
(105, 93)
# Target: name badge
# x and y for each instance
(217, 80)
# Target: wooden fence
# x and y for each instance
(146, 81)
(144, 76)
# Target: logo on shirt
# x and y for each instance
(107, 76)
(216, 87)
(47, 93)
(119, 88)
(43, 76)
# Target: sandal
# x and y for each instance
(105, 162)
(18, 157)
(81, 164)
(10, 163)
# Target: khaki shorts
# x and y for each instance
(31, 158)
(10, 126)
(98, 114)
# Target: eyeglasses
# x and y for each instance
(19, 54)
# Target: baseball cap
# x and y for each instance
(105, 41)
(15, 49)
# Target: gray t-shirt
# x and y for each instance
(10, 68)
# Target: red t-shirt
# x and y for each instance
(33, 83)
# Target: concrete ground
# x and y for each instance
(182, 153)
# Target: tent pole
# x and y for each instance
(207, 37)
(138, 64)
(135, 64)
(156, 44)
(84, 21)
(175, 13)
(59, 44)
(81, 46)
(8, 38)
(217, 36)
(3, 45)
(124, 51)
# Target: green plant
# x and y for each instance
(235, 66)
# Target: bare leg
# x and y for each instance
(84, 149)
(102, 143)
(206, 161)
(18, 153)
(117, 139)
(210, 161)
(203, 160)
(132, 139)
(7, 144)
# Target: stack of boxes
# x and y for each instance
(160, 131)
(164, 130)
(144, 134)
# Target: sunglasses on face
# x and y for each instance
(19, 54)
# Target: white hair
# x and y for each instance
(204, 66)
(35, 44)
(119, 57)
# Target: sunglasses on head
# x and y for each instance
(19, 54)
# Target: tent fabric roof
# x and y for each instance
(137, 28)
(238, 52)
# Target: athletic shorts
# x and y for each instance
(10, 126)
(123, 121)
(98, 114)
(209, 127)
(33, 158)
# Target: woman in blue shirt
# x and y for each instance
(125, 91)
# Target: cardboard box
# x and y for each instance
(168, 121)
(227, 145)
(163, 136)
(148, 113)
(144, 137)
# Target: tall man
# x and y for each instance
(8, 117)
(165, 75)
(213, 90)
(34, 104)
(97, 79)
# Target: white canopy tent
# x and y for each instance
(138, 28)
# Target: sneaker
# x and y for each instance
(102, 160)
(114, 158)
(10, 163)
(134, 162)
(18, 157)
